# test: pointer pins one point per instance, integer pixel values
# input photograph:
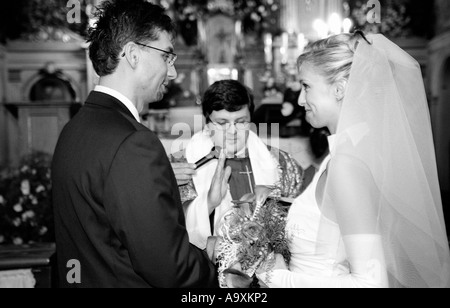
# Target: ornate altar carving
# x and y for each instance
(221, 39)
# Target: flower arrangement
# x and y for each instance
(394, 22)
(253, 232)
(26, 214)
(38, 20)
(257, 14)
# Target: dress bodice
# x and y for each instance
(315, 241)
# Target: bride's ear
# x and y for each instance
(340, 88)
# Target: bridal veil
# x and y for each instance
(382, 179)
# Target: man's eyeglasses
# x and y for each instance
(226, 126)
(171, 57)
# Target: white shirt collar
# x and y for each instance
(122, 98)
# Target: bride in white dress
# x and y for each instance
(372, 217)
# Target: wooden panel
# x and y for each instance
(43, 132)
(40, 127)
(26, 256)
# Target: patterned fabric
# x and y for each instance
(291, 175)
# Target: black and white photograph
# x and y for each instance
(213, 145)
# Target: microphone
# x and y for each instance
(214, 154)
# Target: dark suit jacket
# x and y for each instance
(117, 206)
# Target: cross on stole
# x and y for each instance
(248, 173)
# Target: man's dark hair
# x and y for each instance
(120, 22)
(229, 95)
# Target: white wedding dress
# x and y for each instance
(327, 258)
(318, 261)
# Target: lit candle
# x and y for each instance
(284, 47)
(238, 28)
(321, 28)
(268, 43)
(285, 40)
(301, 42)
(347, 25)
(335, 23)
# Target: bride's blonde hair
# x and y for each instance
(332, 57)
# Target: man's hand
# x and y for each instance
(183, 172)
(219, 185)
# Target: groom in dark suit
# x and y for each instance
(117, 208)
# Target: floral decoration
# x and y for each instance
(26, 214)
(394, 22)
(258, 16)
(38, 20)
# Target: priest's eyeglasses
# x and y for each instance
(171, 57)
(226, 126)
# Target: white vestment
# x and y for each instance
(265, 170)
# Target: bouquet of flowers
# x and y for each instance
(26, 214)
(253, 233)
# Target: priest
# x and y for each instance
(244, 162)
